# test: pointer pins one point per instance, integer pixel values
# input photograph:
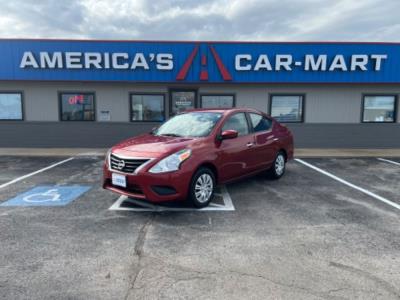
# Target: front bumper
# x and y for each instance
(151, 187)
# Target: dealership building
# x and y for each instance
(90, 93)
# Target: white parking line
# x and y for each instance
(149, 207)
(34, 173)
(389, 161)
(395, 205)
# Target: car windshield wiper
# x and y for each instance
(171, 134)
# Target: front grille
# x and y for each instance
(126, 165)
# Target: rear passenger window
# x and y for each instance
(237, 122)
(260, 123)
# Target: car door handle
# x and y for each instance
(249, 145)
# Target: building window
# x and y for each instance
(182, 100)
(260, 123)
(77, 107)
(379, 109)
(147, 107)
(11, 106)
(217, 101)
(287, 108)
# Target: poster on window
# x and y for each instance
(182, 101)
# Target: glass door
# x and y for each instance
(182, 100)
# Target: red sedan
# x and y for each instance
(190, 154)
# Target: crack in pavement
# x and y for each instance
(138, 253)
(389, 287)
(200, 275)
(175, 282)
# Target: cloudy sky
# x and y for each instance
(346, 20)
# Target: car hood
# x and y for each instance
(149, 145)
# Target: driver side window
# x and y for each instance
(237, 122)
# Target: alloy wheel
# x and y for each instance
(203, 188)
(279, 164)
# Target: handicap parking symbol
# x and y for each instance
(48, 196)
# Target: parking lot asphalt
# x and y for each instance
(305, 236)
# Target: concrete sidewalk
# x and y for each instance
(303, 152)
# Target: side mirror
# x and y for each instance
(154, 129)
(229, 134)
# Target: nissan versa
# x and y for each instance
(193, 152)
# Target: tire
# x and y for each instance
(278, 168)
(202, 187)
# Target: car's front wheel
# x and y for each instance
(202, 187)
(279, 166)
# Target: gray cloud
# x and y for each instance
(346, 20)
(42, 18)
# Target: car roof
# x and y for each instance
(225, 110)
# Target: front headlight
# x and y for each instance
(172, 162)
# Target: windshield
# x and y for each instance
(194, 124)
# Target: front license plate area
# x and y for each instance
(119, 180)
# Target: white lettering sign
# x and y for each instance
(359, 61)
(263, 63)
(283, 61)
(378, 60)
(51, 62)
(310, 62)
(96, 60)
(243, 62)
(73, 60)
(28, 60)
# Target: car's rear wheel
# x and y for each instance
(278, 168)
(202, 187)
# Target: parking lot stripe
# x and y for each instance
(389, 161)
(34, 173)
(149, 207)
(395, 205)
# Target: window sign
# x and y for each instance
(105, 115)
(77, 107)
(182, 100)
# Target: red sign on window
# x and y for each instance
(76, 99)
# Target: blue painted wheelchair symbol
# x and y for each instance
(48, 196)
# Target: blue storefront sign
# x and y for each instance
(48, 196)
(199, 62)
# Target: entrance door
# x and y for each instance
(182, 100)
